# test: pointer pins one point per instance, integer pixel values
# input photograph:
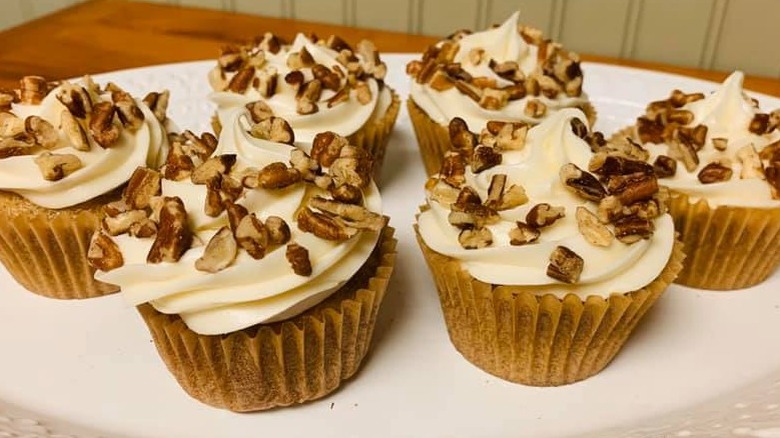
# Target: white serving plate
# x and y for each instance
(700, 364)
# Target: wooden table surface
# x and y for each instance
(105, 35)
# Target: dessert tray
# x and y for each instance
(700, 364)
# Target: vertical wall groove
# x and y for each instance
(556, 18)
(631, 28)
(714, 29)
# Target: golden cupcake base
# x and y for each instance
(535, 340)
(46, 250)
(293, 361)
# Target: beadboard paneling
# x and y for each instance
(594, 26)
(682, 37)
(443, 17)
(750, 37)
(323, 11)
(536, 13)
(269, 8)
(10, 14)
(387, 15)
(213, 4)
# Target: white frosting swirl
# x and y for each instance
(102, 170)
(726, 113)
(614, 269)
(249, 291)
(344, 119)
(502, 43)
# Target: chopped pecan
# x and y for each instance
(627, 148)
(271, 43)
(11, 125)
(686, 153)
(241, 80)
(341, 96)
(678, 98)
(696, 135)
(441, 192)
(347, 193)
(549, 87)
(664, 167)
(475, 238)
(759, 125)
(523, 234)
(329, 79)
(20, 144)
(178, 165)
(508, 70)
(649, 131)
(298, 257)
(277, 176)
(471, 216)
(326, 147)
(565, 265)
(267, 81)
(103, 253)
(41, 131)
(591, 229)
(631, 229)
(720, 143)
(219, 253)
(323, 226)
(54, 167)
(453, 169)
(121, 223)
(461, 138)
(32, 90)
(581, 183)
(127, 110)
(531, 35)
(510, 136)
(213, 168)
(74, 131)
(493, 99)
(274, 129)
(235, 212)
(752, 167)
(441, 81)
(632, 187)
(363, 93)
(259, 111)
(352, 167)
(714, 172)
(278, 230)
(353, 216)
(606, 165)
(535, 108)
(484, 158)
(501, 197)
(143, 229)
(76, 99)
(144, 183)
(173, 236)
(158, 104)
(472, 92)
(682, 117)
(101, 124)
(308, 167)
(544, 215)
(252, 235)
(579, 128)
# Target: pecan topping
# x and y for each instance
(649, 131)
(686, 153)
(535, 108)
(274, 129)
(363, 93)
(158, 103)
(591, 229)
(720, 143)
(121, 223)
(502, 198)
(101, 124)
(143, 185)
(565, 265)
(461, 138)
(631, 229)
(632, 187)
(523, 234)
(41, 131)
(219, 253)
(696, 136)
(174, 236)
(323, 226)
(678, 98)
(259, 111)
(760, 124)
(54, 167)
(277, 176)
(544, 215)
(235, 213)
(347, 193)
(20, 144)
(441, 81)
(74, 131)
(103, 253)
(267, 81)
(241, 80)
(493, 99)
(475, 238)
(32, 90)
(298, 257)
(664, 167)
(751, 162)
(353, 216)
(453, 169)
(326, 147)
(682, 117)
(278, 230)
(581, 183)
(127, 110)
(329, 79)
(253, 236)
(178, 165)
(341, 96)
(484, 158)
(508, 136)
(606, 165)
(353, 167)
(213, 168)
(714, 172)
(579, 128)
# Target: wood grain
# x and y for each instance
(105, 35)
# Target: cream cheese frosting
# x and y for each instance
(102, 169)
(344, 118)
(499, 45)
(727, 114)
(249, 291)
(616, 268)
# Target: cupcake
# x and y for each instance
(543, 268)
(507, 73)
(261, 269)
(720, 156)
(314, 84)
(65, 153)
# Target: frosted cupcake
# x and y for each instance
(315, 84)
(65, 153)
(263, 269)
(541, 278)
(507, 73)
(720, 156)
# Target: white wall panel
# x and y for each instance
(672, 31)
(323, 11)
(594, 26)
(10, 14)
(269, 8)
(387, 15)
(536, 13)
(442, 17)
(750, 37)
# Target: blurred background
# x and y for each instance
(710, 34)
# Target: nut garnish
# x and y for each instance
(544, 215)
(535, 108)
(752, 167)
(523, 234)
(41, 131)
(565, 265)
(353, 216)
(501, 197)
(720, 143)
(101, 124)
(158, 103)
(664, 167)
(323, 226)
(275, 129)
(121, 223)
(298, 257)
(103, 253)
(252, 235)
(326, 147)
(259, 111)
(32, 90)
(484, 158)
(631, 229)
(714, 172)
(475, 238)
(219, 253)
(278, 230)
(632, 187)
(174, 236)
(591, 229)
(277, 176)
(73, 130)
(686, 153)
(54, 167)
(581, 183)
(213, 168)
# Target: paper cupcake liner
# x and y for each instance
(293, 361)
(46, 250)
(538, 340)
(374, 135)
(434, 139)
(728, 247)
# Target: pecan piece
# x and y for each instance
(143, 229)
(174, 236)
(633, 229)
(686, 153)
(32, 90)
(178, 165)
(54, 167)
(501, 197)
(714, 172)
(363, 93)
(274, 129)
(103, 253)
(352, 167)
(278, 230)
(298, 257)
(252, 235)
(352, 216)
(127, 109)
(441, 81)
(347, 193)
(752, 167)
(241, 80)
(329, 79)
(101, 124)
(41, 131)
(461, 138)
(484, 158)
(565, 265)
(759, 125)
(649, 131)
(591, 229)
(213, 168)
(544, 215)
(493, 99)
(607, 165)
(523, 234)
(278, 176)
(219, 253)
(323, 226)
(326, 147)
(581, 183)
(259, 111)
(158, 104)
(664, 167)
(720, 143)
(74, 131)
(632, 187)
(121, 223)
(696, 136)
(535, 108)
(453, 169)
(475, 238)
(144, 184)
(235, 213)
(509, 136)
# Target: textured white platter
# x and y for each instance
(700, 364)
